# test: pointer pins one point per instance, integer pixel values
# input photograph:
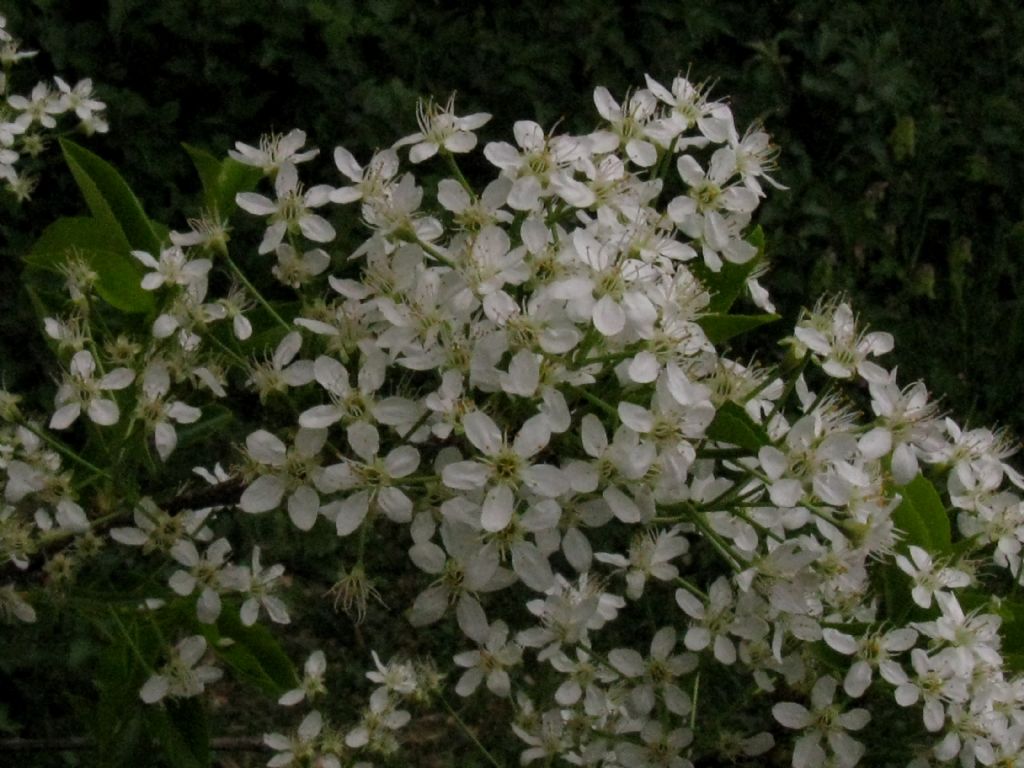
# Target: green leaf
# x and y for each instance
(252, 653)
(923, 518)
(222, 179)
(208, 168)
(719, 328)
(732, 425)
(118, 722)
(234, 178)
(184, 732)
(103, 248)
(1011, 630)
(896, 587)
(110, 199)
(215, 418)
(727, 284)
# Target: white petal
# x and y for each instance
(482, 432)
(303, 507)
(263, 495)
(103, 412)
(364, 440)
(316, 228)
(472, 619)
(266, 448)
(609, 317)
(532, 567)
(154, 689)
(258, 205)
(65, 416)
(395, 504)
(497, 509)
(623, 507)
(792, 715)
(465, 475)
(351, 512)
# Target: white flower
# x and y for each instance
(160, 415)
(206, 572)
(291, 212)
(830, 331)
(173, 268)
(628, 122)
(79, 99)
(80, 389)
(273, 151)
(301, 745)
(312, 681)
(295, 270)
(282, 370)
(872, 650)
(295, 472)
(258, 584)
(539, 167)
(372, 482)
(39, 107)
(180, 677)
(491, 662)
(929, 580)
(504, 467)
(827, 721)
(370, 183)
(441, 128)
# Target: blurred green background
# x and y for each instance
(901, 127)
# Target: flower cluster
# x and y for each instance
(27, 119)
(654, 552)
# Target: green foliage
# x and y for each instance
(732, 425)
(112, 203)
(719, 328)
(251, 653)
(727, 284)
(222, 179)
(103, 248)
(923, 517)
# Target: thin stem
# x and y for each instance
(790, 385)
(131, 642)
(469, 733)
(252, 289)
(716, 541)
(54, 537)
(66, 451)
(696, 694)
(595, 400)
(228, 351)
(454, 167)
(419, 423)
(435, 253)
(692, 588)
